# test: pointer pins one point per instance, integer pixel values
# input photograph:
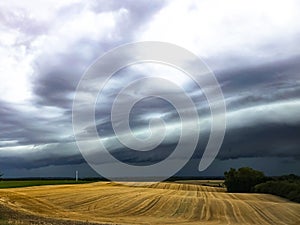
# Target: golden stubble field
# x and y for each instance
(145, 203)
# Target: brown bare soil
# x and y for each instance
(145, 203)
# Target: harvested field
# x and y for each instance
(146, 203)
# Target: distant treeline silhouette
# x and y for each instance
(247, 180)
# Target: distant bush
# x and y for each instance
(289, 189)
(243, 180)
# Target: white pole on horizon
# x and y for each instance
(76, 175)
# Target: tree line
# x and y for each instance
(248, 180)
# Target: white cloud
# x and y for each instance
(254, 30)
(19, 50)
(38, 31)
(15, 71)
(277, 112)
(42, 10)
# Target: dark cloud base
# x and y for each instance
(270, 145)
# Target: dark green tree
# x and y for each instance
(289, 189)
(243, 180)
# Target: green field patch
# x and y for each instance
(30, 183)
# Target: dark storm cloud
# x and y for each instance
(262, 120)
(55, 84)
(18, 127)
(58, 74)
(263, 130)
(252, 136)
(266, 140)
(51, 154)
(256, 139)
(263, 108)
(278, 80)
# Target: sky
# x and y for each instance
(251, 46)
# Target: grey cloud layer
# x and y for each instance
(263, 120)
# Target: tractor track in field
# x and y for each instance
(145, 203)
